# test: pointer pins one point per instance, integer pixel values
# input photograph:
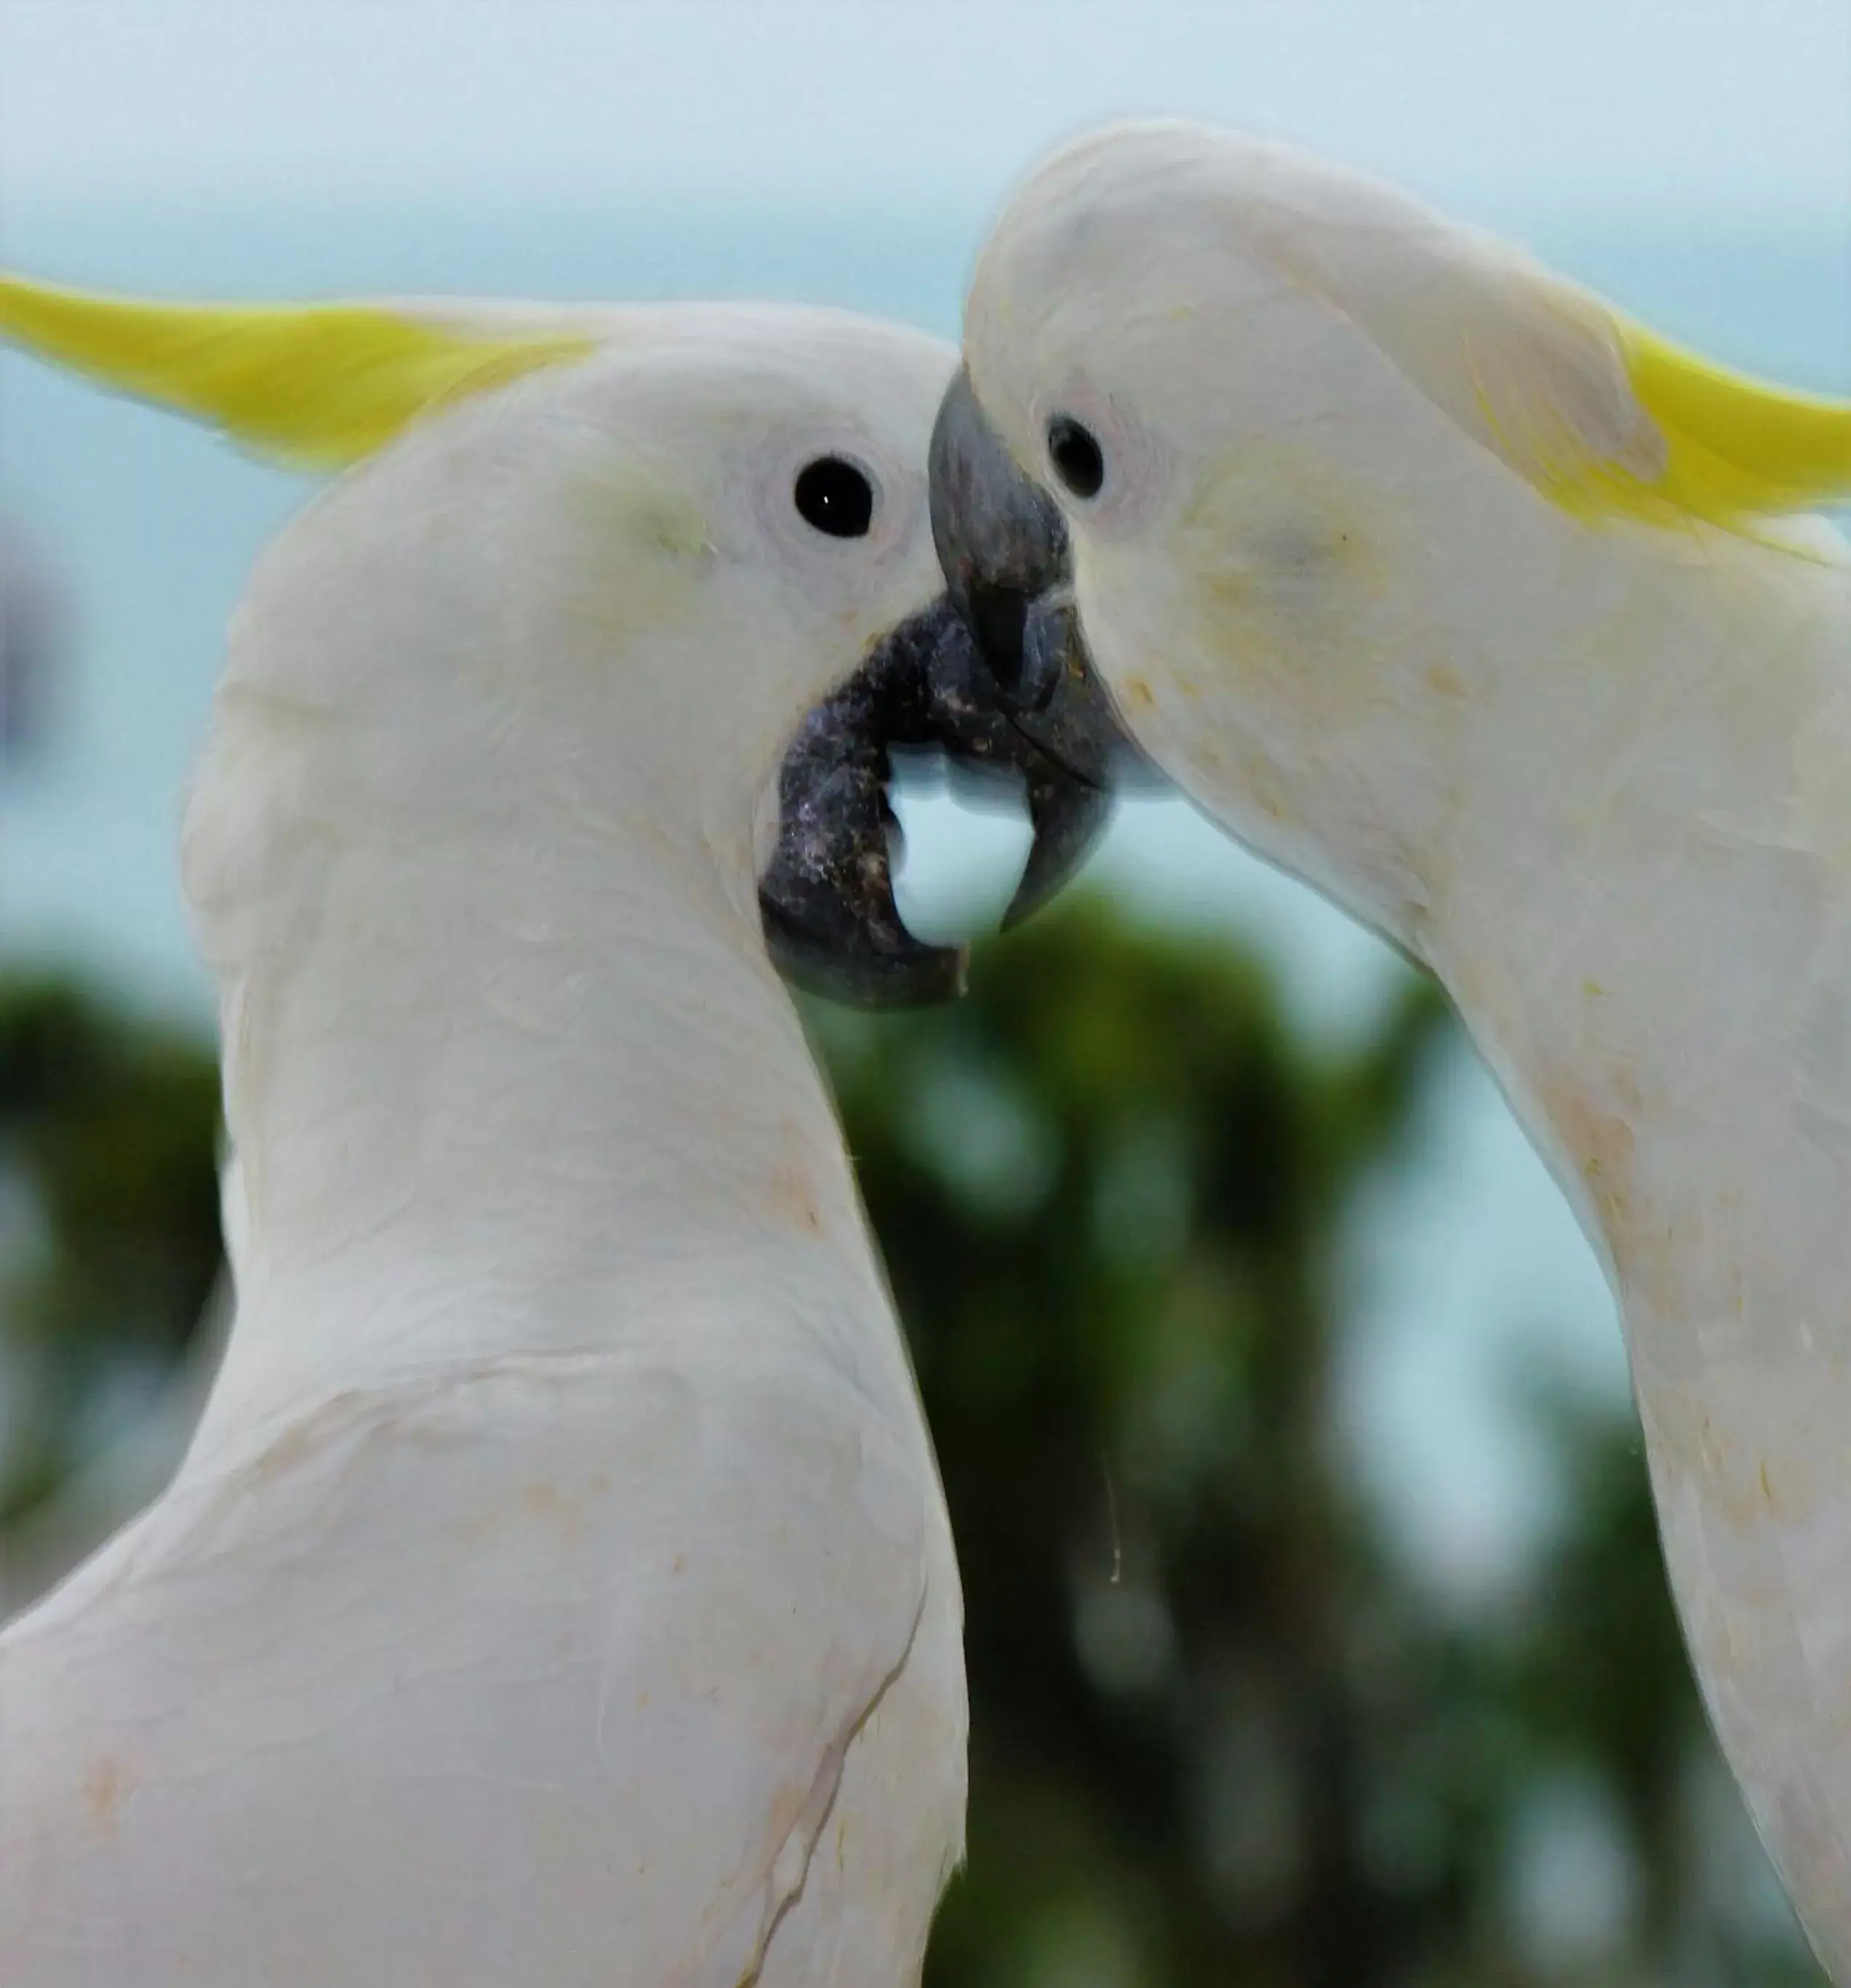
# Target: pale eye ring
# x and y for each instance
(1079, 461)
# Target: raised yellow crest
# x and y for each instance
(316, 386)
(1737, 448)
(1609, 419)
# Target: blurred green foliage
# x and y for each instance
(109, 1129)
(1221, 1733)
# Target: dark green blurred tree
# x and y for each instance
(110, 1125)
(1221, 1734)
(1109, 1217)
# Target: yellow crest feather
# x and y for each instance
(316, 386)
(1736, 448)
(1609, 419)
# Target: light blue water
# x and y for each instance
(1468, 1259)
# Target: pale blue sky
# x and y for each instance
(1740, 107)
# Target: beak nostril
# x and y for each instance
(999, 616)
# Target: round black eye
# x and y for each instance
(835, 497)
(1077, 461)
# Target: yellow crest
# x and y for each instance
(1609, 419)
(1736, 448)
(316, 386)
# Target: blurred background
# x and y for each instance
(1317, 1631)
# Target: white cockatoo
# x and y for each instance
(558, 1588)
(1445, 585)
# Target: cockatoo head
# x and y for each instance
(1304, 469)
(662, 574)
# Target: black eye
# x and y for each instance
(835, 497)
(1077, 462)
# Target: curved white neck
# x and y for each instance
(521, 1099)
(1649, 937)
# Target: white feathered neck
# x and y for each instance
(503, 1052)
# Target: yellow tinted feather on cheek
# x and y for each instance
(316, 386)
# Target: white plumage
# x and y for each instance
(559, 1589)
(1448, 587)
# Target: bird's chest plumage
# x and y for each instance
(499, 1675)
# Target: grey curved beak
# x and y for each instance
(1008, 568)
(826, 898)
(995, 674)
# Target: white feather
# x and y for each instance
(559, 1589)
(1593, 768)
